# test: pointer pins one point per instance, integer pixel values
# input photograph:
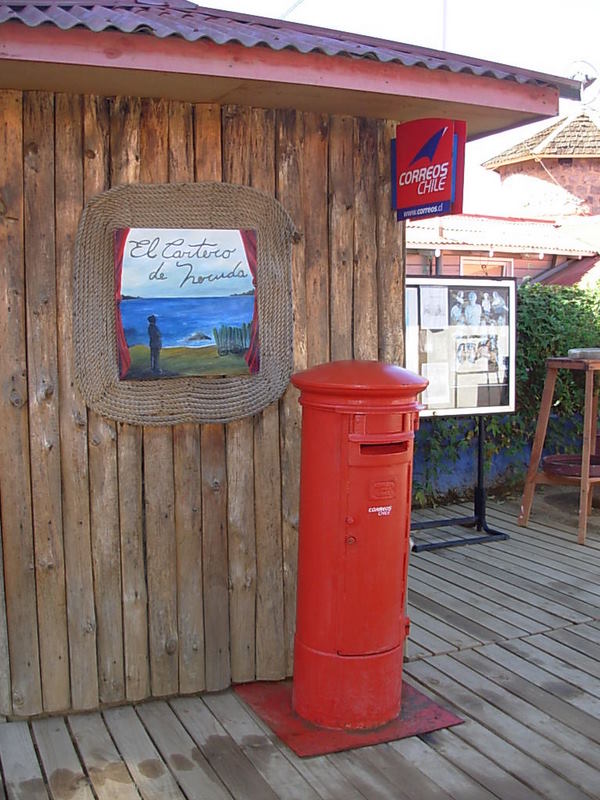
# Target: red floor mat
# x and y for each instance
(272, 701)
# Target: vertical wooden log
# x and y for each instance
(314, 189)
(214, 558)
(289, 170)
(5, 687)
(131, 517)
(133, 566)
(42, 367)
(159, 505)
(270, 650)
(15, 478)
(159, 478)
(341, 227)
(124, 169)
(215, 580)
(186, 459)
(365, 240)
(73, 414)
(240, 457)
(391, 256)
(102, 457)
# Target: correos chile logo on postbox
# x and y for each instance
(424, 167)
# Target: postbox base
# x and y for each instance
(347, 692)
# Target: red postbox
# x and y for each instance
(358, 424)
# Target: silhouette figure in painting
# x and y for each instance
(155, 344)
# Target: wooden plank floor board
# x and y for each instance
(519, 722)
(464, 616)
(568, 655)
(227, 760)
(532, 761)
(556, 566)
(589, 632)
(423, 620)
(62, 767)
(192, 771)
(522, 575)
(558, 724)
(474, 593)
(423, 643)
(108, 774)
(279, 773)
(569, 740)
(553, 566)
(564, 591)
(403, 772)
(22, 774)
(513, 585)
(551, 542)
(544, 613)
(421, 750)
(370, 781)
(324, 777)
(147, 768)
(413, 650)
(546, 531)
(571, 638)
(556, 685)
(555, 666)
(506, 634)
(547, 541)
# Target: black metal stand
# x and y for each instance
(477, 520)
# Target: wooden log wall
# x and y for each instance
(144, 562)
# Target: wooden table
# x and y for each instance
(590, 416)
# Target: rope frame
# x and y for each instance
(173, 400)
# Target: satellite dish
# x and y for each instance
(587, 74)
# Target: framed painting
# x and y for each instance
(171, 282)
(186, 302)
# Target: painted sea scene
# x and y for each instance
(187, 302)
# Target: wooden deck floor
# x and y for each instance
(507, 634)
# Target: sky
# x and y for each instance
(558, 37)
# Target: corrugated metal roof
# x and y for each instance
(570, 272)
(465, 231)
(576, 136)
(179, 18)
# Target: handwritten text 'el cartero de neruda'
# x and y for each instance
(177, 251)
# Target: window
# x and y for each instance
(482, 267)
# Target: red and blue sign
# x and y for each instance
(428, 166)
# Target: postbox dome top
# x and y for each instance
(360, 378)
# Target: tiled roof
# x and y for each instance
(469, 232)
(570, 137)
(179, 18)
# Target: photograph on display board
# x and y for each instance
(434, 307)
(185, 303)
(463, 341)
(412, 329)
(478, 306)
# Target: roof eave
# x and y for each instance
(539, 157)
(110, 62)
(499, 249)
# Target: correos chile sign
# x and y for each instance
(428, 167)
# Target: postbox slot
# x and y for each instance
(378, 438)
(383, 448)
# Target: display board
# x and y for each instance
(461, 336)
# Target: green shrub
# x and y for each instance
(550, 321)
